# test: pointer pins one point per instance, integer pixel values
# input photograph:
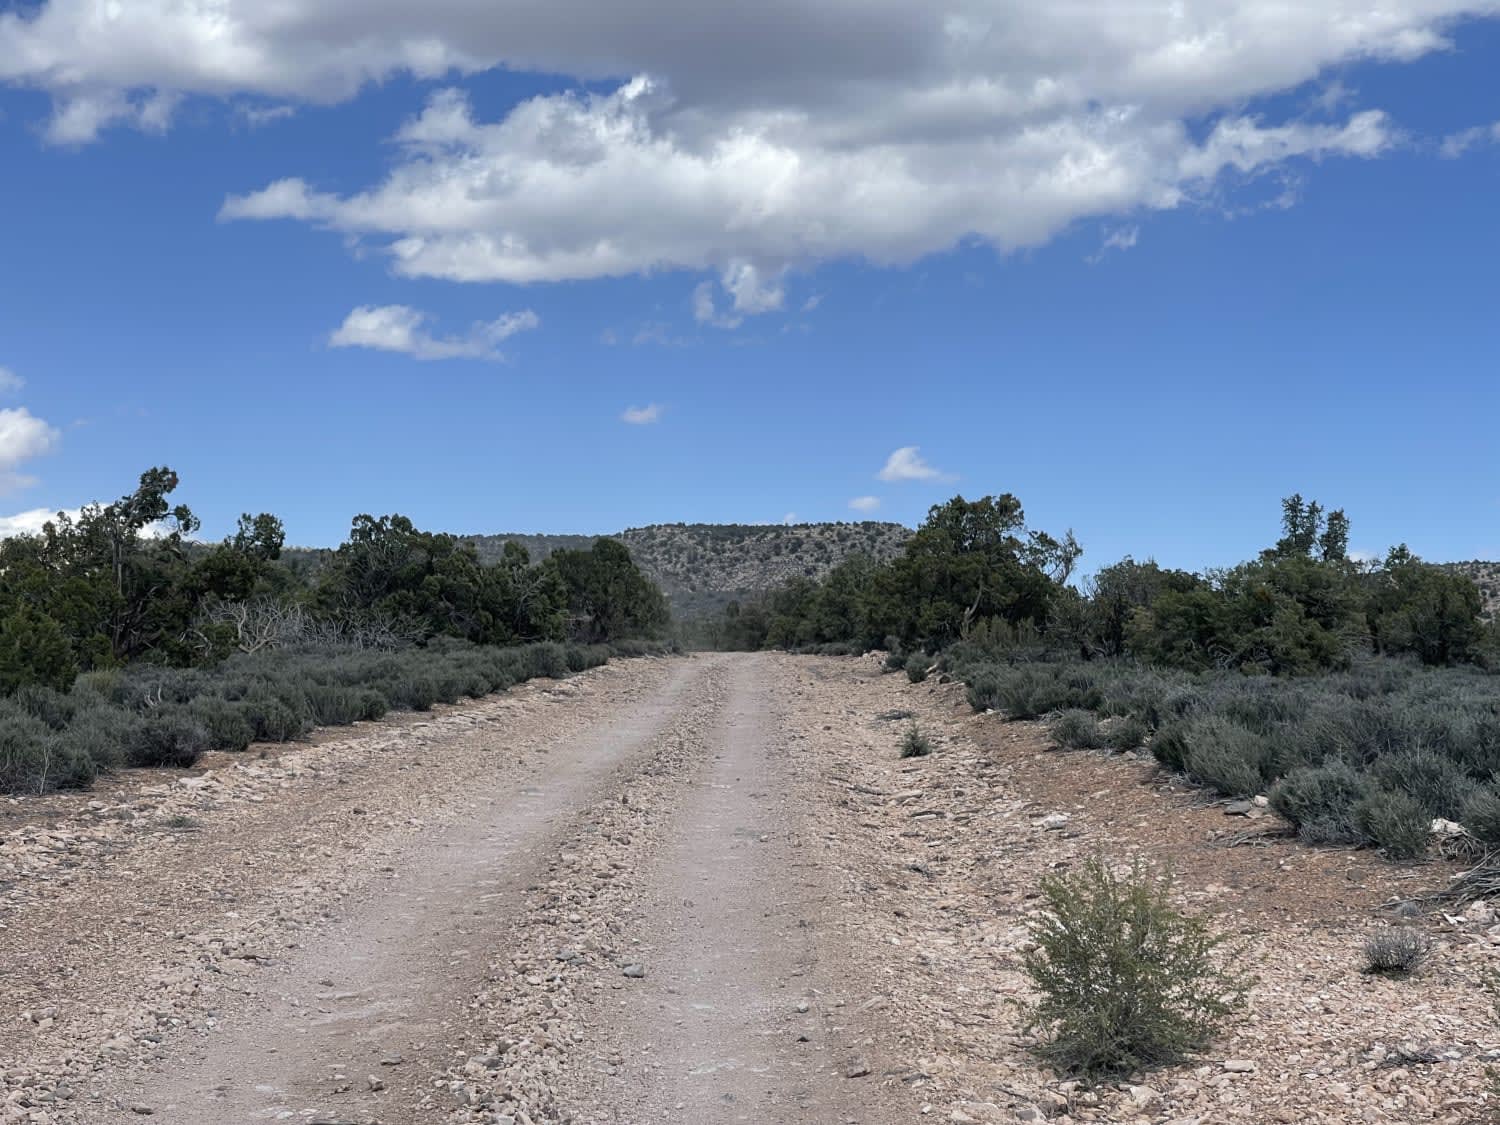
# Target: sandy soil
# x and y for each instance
(689, 890)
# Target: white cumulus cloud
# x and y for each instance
(22, 437)
(907, 463)
(400, 328)
(30, 522)
(749, 140)
(641, 415)
(865, 503)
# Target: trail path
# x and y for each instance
(393, 926)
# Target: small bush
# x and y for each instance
(1227, 757)
(1481, 814)
(1396, 822)
(169, 736)
(26, 745)
(372, 704)
(1127, 733)
(44, 703)
(418, 693)
(983, 691)
(102, 733)
(1396, 951)
(916, 667)
(271, 719)
(226, 723)
(1433, 781)
(914, 743)
(1319, 802)
(1125, 980)
(1169, 746)
(332, 706)
(894, 660)
(1077, 730)
(550, 660)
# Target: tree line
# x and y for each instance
(974, 568)
(126, 582)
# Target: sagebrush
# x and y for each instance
(1124, 980)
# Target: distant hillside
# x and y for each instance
(1486, 576)
(703, 566)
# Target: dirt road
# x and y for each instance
(578, 900)
(691, 890)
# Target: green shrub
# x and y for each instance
(372, 704)
(914, 743)
(26, 746)
(332, 706)
(983, 690)
(272, 720)
(1225, 756)
(102, 734)
(1434, 782)
(1319, 802)
(1396, 822)
(50, 706)
(226, 723)
(1076, 730)
(417, 693)
(34, 649)
(894, 661)
(1127, 733)
(1169, 746)
(169, 736)
(1481, 814)
(1125, 981)
(549, 660)
(104, 683)
(916, 667)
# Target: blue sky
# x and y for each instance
(1149, 306)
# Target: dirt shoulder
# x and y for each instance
(943, 856)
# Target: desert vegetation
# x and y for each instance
(1124, 980)
(1360, 698)
(123, 641)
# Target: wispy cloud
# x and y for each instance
(10, 382)
(660, 333)
(399, 328)
(1456, 144)
(1333, 96)
(907, 463)
(257, 115)
(642, 415)
(865, 503)
(1121, 239)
